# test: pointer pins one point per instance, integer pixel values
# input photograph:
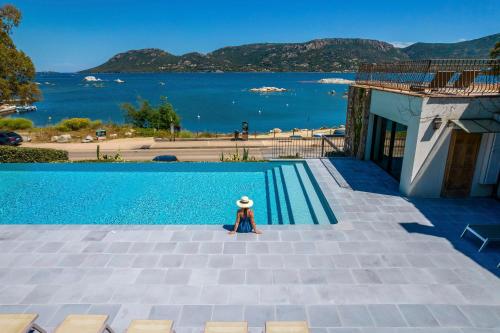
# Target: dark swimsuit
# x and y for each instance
(245, 224)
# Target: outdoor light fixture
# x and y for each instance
(436, 123)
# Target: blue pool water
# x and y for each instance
(156, 193)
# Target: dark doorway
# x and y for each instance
(388, 145)
(461, 164)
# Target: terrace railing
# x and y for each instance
(441, 76)
(315, 147)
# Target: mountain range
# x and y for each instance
(320, 55)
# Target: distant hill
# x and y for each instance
(476, 48)
(314, 56)
(320, 55)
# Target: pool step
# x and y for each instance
(315, 204)
(274, 215)
(301, 210)
(282, 202)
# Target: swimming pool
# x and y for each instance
(158, 193)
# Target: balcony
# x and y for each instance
(455, 77)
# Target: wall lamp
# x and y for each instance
(437, 122)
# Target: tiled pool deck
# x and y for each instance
(389, 265)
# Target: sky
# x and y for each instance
(72, 35)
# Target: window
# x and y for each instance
(388, 145)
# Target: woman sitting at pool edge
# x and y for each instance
(244, 217)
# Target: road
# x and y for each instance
(143, 149)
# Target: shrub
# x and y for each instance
(75, 124)
(31, 155)
(15, 123)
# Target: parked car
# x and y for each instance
(10, 139)
(337, 133)
(295, 137)
(165, 158)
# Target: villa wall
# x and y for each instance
(426, 149)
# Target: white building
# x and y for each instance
(438, 133)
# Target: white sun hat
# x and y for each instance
(244, 202)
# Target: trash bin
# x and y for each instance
(236, 135)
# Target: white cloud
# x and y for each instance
(401, 44)
(462, 39)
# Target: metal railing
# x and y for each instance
(286, 148)
(443, 76)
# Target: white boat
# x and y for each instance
(119, 81)
(25, 108)
(91, 78)
(268, 89)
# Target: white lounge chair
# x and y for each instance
(84, 324)
(287, 327)
(19, 323)
(226, 327)
(150, 326)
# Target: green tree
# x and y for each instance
(149, 116)
(16, 69)
(495, 51)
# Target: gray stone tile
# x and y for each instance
(187, 247)
(110, 309)
(223, 261)
(128, 312)
(50, 247)
(156, 294)
(207, 276)
(323, 316)
(246, 261)
(45, 312)
(354, 316)
(228, 313)
(449, 315)
(366, 276)
(214, 295)
(296, 261)
(15, 295)
(257, 315)
(196, 261)
(141, 247)
(211, 247)
(291, 312)
(121, 260)
(145, 261)
(41, 294)
(185, 295)
(171, 260)
(286, 276)
(151, 276)
(177, 276)
(244, 296)
(312, 276)
(129, 294)
(165, 312)
(272, 294)
(271, 261)
(386, 315)
(481, 316)
(417, 315)
(234, 248)
(232, 276)
(165, 247)
(304, 248)
(118, 247)
(258, 248)
(195, 315)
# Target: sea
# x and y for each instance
(216, 102)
